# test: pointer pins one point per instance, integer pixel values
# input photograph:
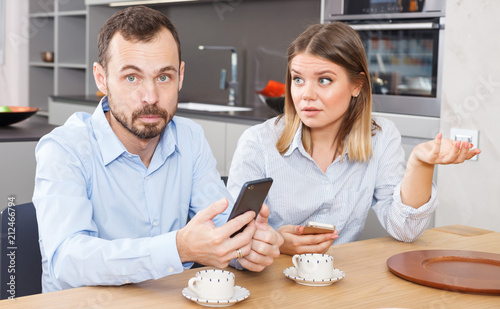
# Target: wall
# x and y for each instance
(14, 71)
(259, 29)
(470, 193)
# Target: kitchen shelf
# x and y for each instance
(42, 15)
(70, 81)
(72, 5)
(41, 64)
(73, 65)
(59, 27)
(41, 85)
(37, 6)
(43, 37)
(73, 13)
(71, 37)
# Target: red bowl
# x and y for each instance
(17, 113)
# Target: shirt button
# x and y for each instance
(127, 281)
(327, 188)
(147, 177)
(129, 155)
(170, 269)
(155, 223)
(324, 210)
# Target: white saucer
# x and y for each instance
(240, 294)
(291, 272)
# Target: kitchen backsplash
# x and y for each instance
(261, 32)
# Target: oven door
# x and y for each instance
(404, 63)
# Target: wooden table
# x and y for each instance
(368, 282)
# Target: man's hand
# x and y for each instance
(296, 243)
(202, 242)
(265, 244)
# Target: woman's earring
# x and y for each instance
(356, 95)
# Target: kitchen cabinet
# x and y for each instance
(222, 136)
(61, 108)
(59, 27)
(17, 148)
(18, 171)
(215, 133)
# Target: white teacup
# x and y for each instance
(213, 284)
(313, 265)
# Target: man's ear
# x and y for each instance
(100, 78)
(181, 75)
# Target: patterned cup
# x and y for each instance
(313, 265)
(213, 284)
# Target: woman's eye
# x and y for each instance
(325, 81)
(298, 80)
(131, 78)
(163, 78)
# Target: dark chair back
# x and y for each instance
(20, 259)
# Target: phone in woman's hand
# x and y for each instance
(318, 228)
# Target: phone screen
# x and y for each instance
(252, 196)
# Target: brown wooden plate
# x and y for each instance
(454, 270)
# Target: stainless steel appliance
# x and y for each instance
(404, 45)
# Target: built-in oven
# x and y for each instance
(404, 42)
(404, 47)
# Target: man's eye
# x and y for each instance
(163, 78)
(298, 80)
(325, 81)
(131, 78)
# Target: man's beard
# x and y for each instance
(149, 130)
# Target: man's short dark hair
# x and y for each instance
(136, 23)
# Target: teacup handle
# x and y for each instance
(191, 285)
(294, 260)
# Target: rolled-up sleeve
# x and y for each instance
(401, 221)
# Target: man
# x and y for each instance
(114, 190)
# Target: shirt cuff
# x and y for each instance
(416, 213)
(165, 257)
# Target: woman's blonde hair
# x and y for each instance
(340, 44)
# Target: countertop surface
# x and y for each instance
(31, 129)
(258, 113)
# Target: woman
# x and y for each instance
(330, 161)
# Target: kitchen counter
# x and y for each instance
(31, 129)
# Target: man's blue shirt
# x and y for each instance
(106, 219)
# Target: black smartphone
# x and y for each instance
(252, 196)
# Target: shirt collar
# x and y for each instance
(297, 144)
(111, 147)
(166, 146)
